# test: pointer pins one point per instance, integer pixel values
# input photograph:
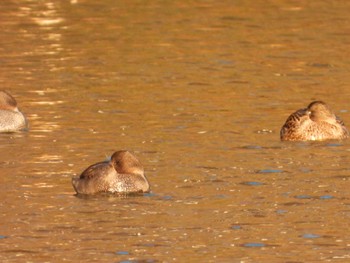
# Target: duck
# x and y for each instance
(11, 119)
(317, 122)
(123, 174)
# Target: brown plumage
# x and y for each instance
(11, 119)
(123, 173)
(314, 123)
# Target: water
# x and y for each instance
(198, 90)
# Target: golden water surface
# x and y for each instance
(198, 90)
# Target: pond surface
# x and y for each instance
(198, 90)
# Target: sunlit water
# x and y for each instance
(198, 90)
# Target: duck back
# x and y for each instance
(109, 177)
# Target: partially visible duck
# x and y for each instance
(315, 123)
(123, 173)
(11, 119)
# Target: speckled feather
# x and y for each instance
(299, 126)
(107, 177)
(11, 119)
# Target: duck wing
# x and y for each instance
(96, 170)
(295, 119)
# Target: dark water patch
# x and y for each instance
(281, 211)
(207, 167)
(322, 197)
(176, 128)
(300, 75)
(303, 197)
(125, 234)
(221, 196)
(305, 170)
(167, 197)
(150, 245)
(252, 147)
(259, 215)
(255, 26)
(225, 62)
(139, 261)
(96, 239)
(293, 204)
(234, 18)
(198, 84)
(320, 65)
(67, 227)
(237, 82)
(322, 144)
(281, 57)
(327, 245)
(116, 112)
(210, 69)
(151, 194)
(267, 171)
(333, 145)
(91, 212)
(215, 180)
(122, 253)
(326, 197)
(309, 235)
(195, 198)
(251, 183)
(101, 222)
(253, 245)
(186, 186)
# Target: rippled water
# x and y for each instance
(198, 90)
